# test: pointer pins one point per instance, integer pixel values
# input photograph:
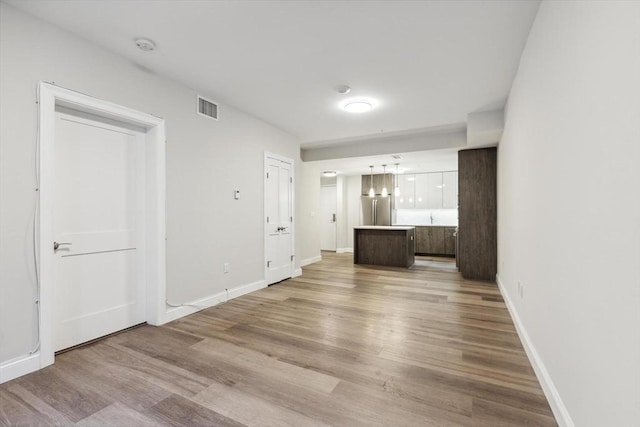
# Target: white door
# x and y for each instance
(328, 208)
(98, 224)
(279, 218)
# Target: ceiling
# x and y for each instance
(427, 63)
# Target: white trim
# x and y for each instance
(50, 96)
(344, 250)
(558, 407)
(18, 367)
(297, 272)
(212, 300)
(311, 260)
(27, 364)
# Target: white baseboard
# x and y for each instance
(563, 418)
(18, 367)
(21, 366)
(297, 272)
(174, 313)
(310, 260)
(344, 250)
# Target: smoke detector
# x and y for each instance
(145, 45)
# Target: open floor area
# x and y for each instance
(342, 344)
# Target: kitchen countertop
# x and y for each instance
(384, 227)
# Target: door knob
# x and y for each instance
(57, 245)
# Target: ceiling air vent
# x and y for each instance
(207, 108)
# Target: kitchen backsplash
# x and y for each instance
(426, 217)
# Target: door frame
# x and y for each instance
(50, 96)
(267, 156)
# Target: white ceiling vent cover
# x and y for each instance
(207, 108)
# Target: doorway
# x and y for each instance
(98, 221)
(328, 210)
(101, 228)
(278, 206)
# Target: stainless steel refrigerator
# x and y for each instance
(375, 210)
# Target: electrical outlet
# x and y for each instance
(225, 267)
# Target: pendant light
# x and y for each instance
(372, 192)
(384, 192)
(396, 191)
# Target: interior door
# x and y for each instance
(279, 218)
(98, 226)
(328, 209)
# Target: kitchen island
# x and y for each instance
(384, 245)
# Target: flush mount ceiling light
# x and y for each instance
(329, 174)
(145, 45)
(357, 106)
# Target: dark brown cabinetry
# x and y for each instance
(435, 240)
(430, 240)
(379, 181)
(392, 246)
(477, 235)
(449, 240)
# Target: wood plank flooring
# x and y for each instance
(343, 345)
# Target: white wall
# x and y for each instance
(349, 192)
(353, 185)
(342, 215)
(308, 211)
(206, 160)
(569, 157)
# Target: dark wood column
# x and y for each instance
(477, 214)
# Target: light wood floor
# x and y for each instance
(340, 345)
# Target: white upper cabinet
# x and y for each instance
(422, 184)
(434, 190)
(437, 190)
(406, 199)
(450, 190)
